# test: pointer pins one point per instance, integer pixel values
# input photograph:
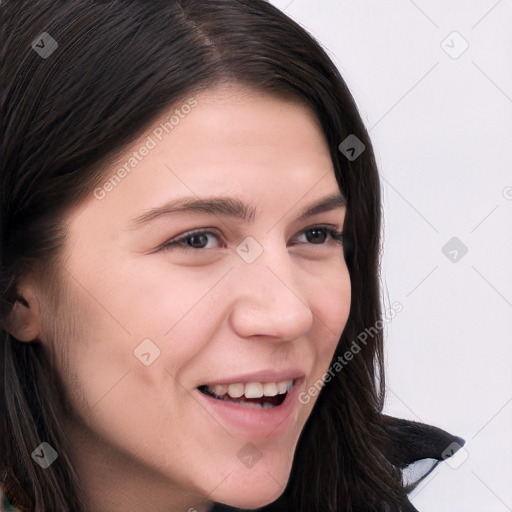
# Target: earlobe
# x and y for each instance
(24, 322)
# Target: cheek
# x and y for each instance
(330, 304)
(156, 298)
(174, 311)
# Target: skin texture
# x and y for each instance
(141, 438)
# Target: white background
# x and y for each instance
(442, 133)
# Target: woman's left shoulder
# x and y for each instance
(418, 448)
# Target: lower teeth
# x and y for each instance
(264, 405)
(244, 403)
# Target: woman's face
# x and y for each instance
(154, 319)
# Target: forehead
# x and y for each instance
(232, 141)
(238, 116)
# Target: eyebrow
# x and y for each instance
(228, 207)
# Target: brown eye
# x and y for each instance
(193, 240)
(316, 235)
(197, 240)
(320, 235)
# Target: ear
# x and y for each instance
(24, 321)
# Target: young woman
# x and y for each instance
(190, 302)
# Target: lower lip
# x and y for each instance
(256, 422)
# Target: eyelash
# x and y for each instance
(180, 243)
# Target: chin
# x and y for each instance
(251, 499)
(253, 492)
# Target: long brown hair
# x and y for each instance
(118, 65)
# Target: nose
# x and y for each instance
(268, 299)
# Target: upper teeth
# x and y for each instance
(253, 389)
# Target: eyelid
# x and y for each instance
(332, 230)
(174, 243)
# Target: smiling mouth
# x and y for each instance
(254, 394)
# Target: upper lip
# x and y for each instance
(269, 375)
